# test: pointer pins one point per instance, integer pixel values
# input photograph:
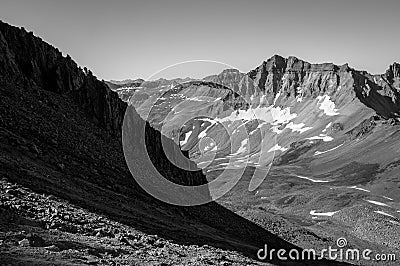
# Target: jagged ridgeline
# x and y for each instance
(284, 79)
(27, 62)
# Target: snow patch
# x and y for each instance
(187, 135)
(277, 148)
(384, 213)
(377, 203)
(208, 120)
(242, 148)
(263, 99)
(313, 212)
(282, 115)
(312, 180)
(261, 125)
(322, 152)
(203, 164)
(211, 145)
(198, 99)
(125, 88)
(327, 126)
(324, 137)
(270, 114)
(387, 198)
(203, 133)
(297, 127)
(277, 96)
(358, 188)
(276, 130)
(327, 105)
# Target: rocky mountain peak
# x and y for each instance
(228, 77)
(280, 80)
(29, 61)
(393, 71)
(126, 81)
(230, 70)
(76, 104)
(276, 62)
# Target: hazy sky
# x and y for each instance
(132, 39)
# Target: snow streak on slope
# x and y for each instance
(277, 148)
(312, 180)
(322, 152)
(187, 136)
(327, 105)
(314, 212)
(378, 203)
(297, 127)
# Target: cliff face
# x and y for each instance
(228, 77)
(29, 61)
(392, 75)
(40, 73)
(288, 78)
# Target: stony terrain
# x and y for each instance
(40, 229)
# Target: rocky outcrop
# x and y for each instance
(292, 77)
(29, 63)
(118, 85)
(377, 93)
(288, 75)
(229, 78)
(392, 75)
(125, 90)
(27, 60)
(126, 82)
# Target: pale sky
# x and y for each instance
(134, 39)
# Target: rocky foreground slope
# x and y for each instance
(67, 196)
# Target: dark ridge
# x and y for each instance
(381, 97)
(42, 66)
(393, 72)
(210, 84)
(122, 84)
(29, 61)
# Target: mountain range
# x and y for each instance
(314, 145)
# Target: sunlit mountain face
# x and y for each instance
(317, 144)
